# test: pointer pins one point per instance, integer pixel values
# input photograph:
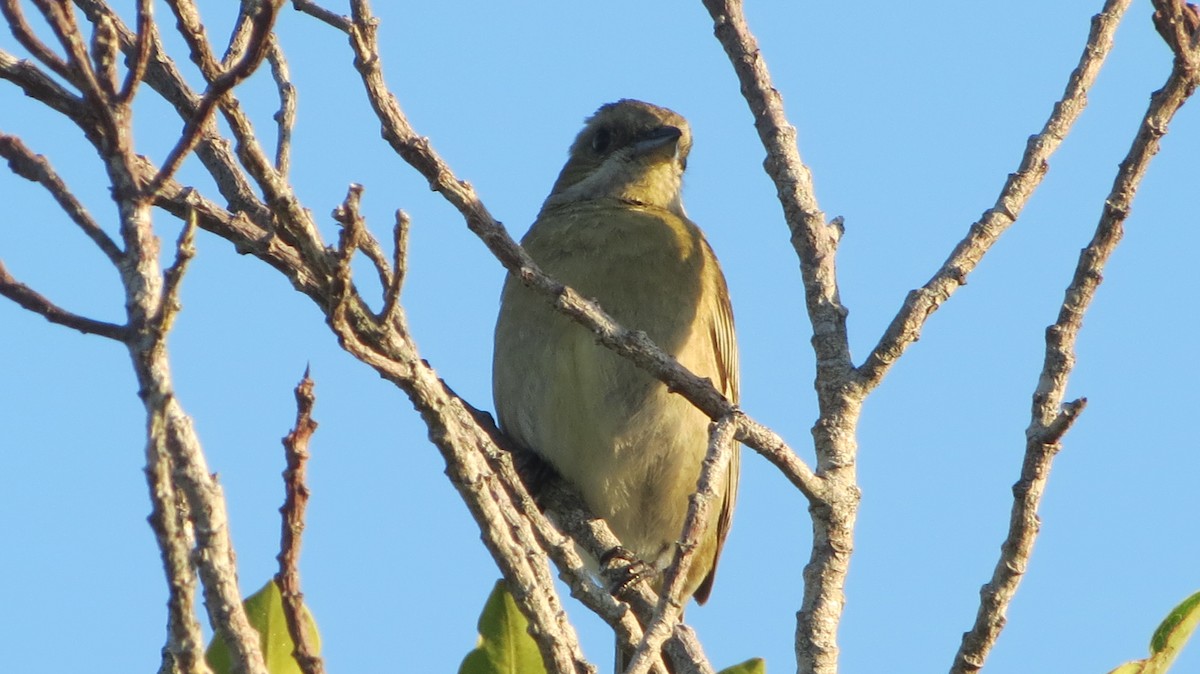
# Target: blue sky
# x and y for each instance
(910, 118)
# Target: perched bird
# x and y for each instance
(614, 229)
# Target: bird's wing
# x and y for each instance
(725, 348)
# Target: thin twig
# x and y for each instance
(321, 14)
(714, 472)
(251, 58)
(920, 304)
(1050, 417)
(31, 300)
(185, 250)
(285, 118)
(356, 236)
(296, 491)
(349, 216)
(37, 168)
(773, 448)
(457, 433)
(391, 296)
(28, 39)
(282, 215)
(191, 28)
(214, 152)
(62, 23)
(39, 86)
(141, 52)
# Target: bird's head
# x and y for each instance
(630, 151)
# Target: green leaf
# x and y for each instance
(751, 666)
(265, 611)
(1168, 639)
(505, 646)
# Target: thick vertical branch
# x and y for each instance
(170, 432)
(839, 393)
(184, 650)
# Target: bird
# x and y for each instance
(614, 229)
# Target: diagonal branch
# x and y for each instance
(39, 86)
(31, 300)
(62, 23)
(213, 151)
(321, 14)
(920, 304)
(37, 168)
(503, 509)
(1050, 418)
(259, 38)
(25, 36)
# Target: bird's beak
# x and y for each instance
(650, 141)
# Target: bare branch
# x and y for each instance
(1178, 22)
(185, 250)
(296, 449)
(772, 447)
(285, 118)
(37, 85)
(191, 28)
(815, 240)
(170, 430)
(713, 473)
(839, 394)
(241, 37)
(141, 56)
(1050, 418)
(213, 150)
(906, 327)
(31, 300)
(468, 450)
(251, 58)
(37, 168)
(104, 50)
(391, 297)
(184, 650)
(62, 22)
(356, 236)
(320, 13)
(25, 36)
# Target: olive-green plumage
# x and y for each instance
(614, 229)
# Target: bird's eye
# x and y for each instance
(601, 140)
